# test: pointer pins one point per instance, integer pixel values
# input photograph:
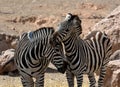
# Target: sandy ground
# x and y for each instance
(18, 16)
(52, 79)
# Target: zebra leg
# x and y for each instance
(102, 76)
(27, 80)
(79, 80)
(92, 80)
(70, 78)
(40, 81)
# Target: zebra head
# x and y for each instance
(71, 24)
(59, 58)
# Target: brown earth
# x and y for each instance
(18, 16)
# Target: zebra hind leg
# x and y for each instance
(102, 76)
(92, 80)
(27, 81)
(79, 80)
(70, 78)
(39, 81)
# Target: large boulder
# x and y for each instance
(115, 55)
(112, 78)
(7, 61)
(111, 26)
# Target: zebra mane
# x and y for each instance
(40, 33)
(91, 34)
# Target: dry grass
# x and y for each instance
(7, 81)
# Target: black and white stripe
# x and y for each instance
(33, 55)
(84, 56)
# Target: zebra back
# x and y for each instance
(39, 34)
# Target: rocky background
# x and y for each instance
(19, 16)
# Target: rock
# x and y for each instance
(8, 42)
(39, 21)
(7, 61)
(91, 6)
(14, 43)
(23, 19)
(46, 21)
(111, 26)
(116, 78)
(115, 55)
(112, 78)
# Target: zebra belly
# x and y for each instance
(78, 70)
(36, 69)
(93, 68)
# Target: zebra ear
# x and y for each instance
(68, 16)
(77, 20)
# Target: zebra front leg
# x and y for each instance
(102, 76)
(40, 80)
(79, 80)
(70, 78)
(26, 80)
(92, 80)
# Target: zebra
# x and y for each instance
(33, 54)
(84, 56)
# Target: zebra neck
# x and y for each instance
(74, 49)
(73, 46)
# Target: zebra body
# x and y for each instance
(84, 56)
(91, 50)
(33, 55)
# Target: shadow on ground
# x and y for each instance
(16, 72)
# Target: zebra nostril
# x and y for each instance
(67, 30)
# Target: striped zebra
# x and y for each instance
(33, 55)
(83, 56)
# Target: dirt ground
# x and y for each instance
(52, 79)
(18, 16)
